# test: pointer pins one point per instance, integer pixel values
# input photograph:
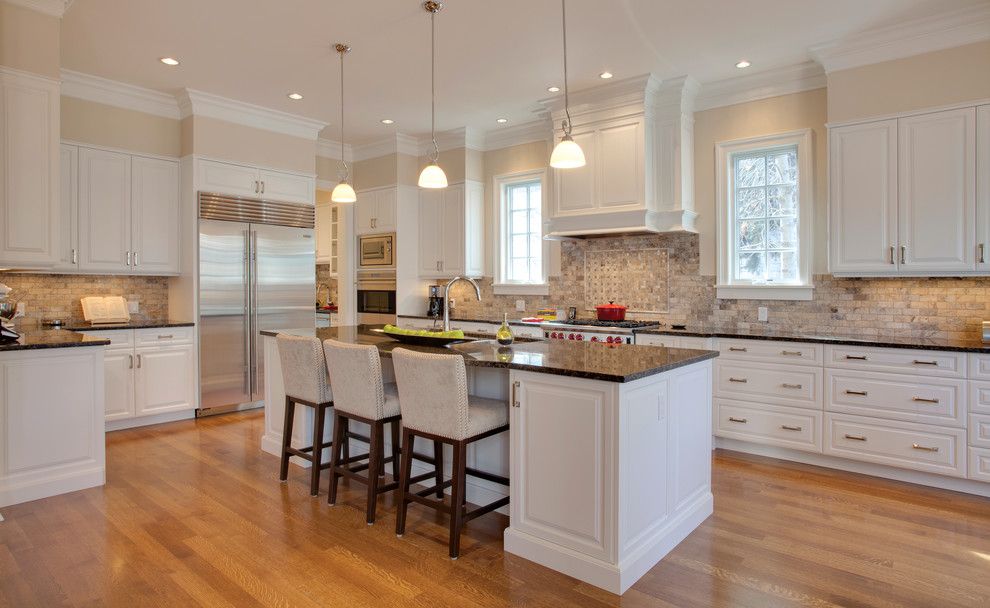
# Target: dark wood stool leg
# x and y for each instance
(374, 462)
(438, 458)
(381, 451)
(395, 449)
(339, 422)
(290, 409)
(457, 498)
(318, 421)
(405, 474)
(346, 440)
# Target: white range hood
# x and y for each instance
(637, 135)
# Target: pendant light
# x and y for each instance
(343, 192)
(432, 175)
(566, 154)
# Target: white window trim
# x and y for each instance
(726, 287)
(500, 286)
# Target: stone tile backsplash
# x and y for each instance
(323, 277)
(924, 307)
(56, 296)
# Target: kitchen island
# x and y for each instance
(609, 448)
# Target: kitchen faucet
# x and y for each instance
(446, 298)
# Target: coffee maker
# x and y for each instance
(435, 307)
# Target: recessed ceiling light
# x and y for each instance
(553, 89)
(501, 121)
(387, 121)
(295, 96)
(605, 75)
(743, 64)
(169, 61)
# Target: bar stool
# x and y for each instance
(304, 374)
(435, 405)
(360, 394)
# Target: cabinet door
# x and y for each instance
(574, 189)
(287, 188)
(621, 166)
(324, 230)
(104, 211)
(364, 211)
(119, 383)
(155, 215)
(430, 232)
(164, 379)
(225, 178)
(937, 191)
(68, 258)
(29, 170)
(983, 188)
(385, 210)
(863, 198)
(452, 230)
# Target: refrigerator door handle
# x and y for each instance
(247, 312)
(253, 337)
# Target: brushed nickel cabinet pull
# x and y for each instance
(135, 259)
(903, 254)
(139, 361)
(515, 401)
(262, 187)
(75, 257)
(130, 364)
(165, 337)
(924, 399)
(128, 258)
(981, 258)
(737, 349)
(740, 380)
(860, 393)
(856, 437)
(792, 353)
(790, 428)
(917, 362)
(857, 357)
(739, 420)
(892, 254)
(786, 385)
(924, 448)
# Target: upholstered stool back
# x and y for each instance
(356, 375)
(432, 392)
(304, 369)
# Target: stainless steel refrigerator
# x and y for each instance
(257, 270)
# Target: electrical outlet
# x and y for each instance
(133, 307)
(521, 305)
(762, 313)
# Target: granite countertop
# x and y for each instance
(596, 361)
(50, 338)
(461, 320)
(78, 325)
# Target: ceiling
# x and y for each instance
(495, 59)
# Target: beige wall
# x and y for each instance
(453, 162)
(389, 170)
(328, 169)
(29, 40)
(752, 119)
(99, 124)
(228, 141)
(941, 78)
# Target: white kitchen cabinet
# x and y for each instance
(937, 191)
(983, 188)
(119, 383)
(104, 211)
(154, 215)
(252, 182)
(68, 251)
(162, 379)
(324, 232)
(29, 170)
(374, 211)
(863, 197)
(451, 231)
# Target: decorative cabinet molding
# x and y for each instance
(451, 231)
(374, 211)
(253, 182)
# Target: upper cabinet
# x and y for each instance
(252, 182)
(903, 196)
(451, 231)
(155, 215)
(983, 188)
(29, 170)
(374, 211)
(327, 228)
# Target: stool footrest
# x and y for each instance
(501, 502)
(431, 489)
(437, 504)
(499, 479)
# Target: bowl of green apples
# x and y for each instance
(424, 337)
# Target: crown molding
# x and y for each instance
(525, 133)
(328, 148)
(55, 8)
(462, 137)
(635, 90)
(397, 143)
(795, 78)
(118, 94)
(199, 103)
(915, 37)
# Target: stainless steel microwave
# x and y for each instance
(376, 251)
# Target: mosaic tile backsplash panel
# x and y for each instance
(637, 278)
(56, 296)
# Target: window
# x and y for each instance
(765, 202)
(522, 250)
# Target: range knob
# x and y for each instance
(609, 339)
(580, 337)
(594, 338)
(570, 337)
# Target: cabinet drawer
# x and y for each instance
(523, 331)
(979, 430)
(119, 338)
(979, 397)
(979, 464)
(979, 367)
(770, 351)
(921, 447)
(769, 424)
(915, 362)
(658, 340)
(696, 342)
(164, 335)
(895, 396)
(768, 383)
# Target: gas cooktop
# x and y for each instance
(610, 324)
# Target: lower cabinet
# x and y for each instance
(162, 379)
(783, 426)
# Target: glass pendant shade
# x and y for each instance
(343, 193)
(567, 154)
(432, 177)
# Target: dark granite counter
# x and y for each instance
(134, 324)
(596, 361)
(974, 345)
(461, 320)
(50, 338)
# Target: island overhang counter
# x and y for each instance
(609, 448)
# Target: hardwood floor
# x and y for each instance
(193, 515)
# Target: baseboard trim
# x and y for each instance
(45, 487)
(130, 423)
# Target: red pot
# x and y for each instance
(611, 312)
